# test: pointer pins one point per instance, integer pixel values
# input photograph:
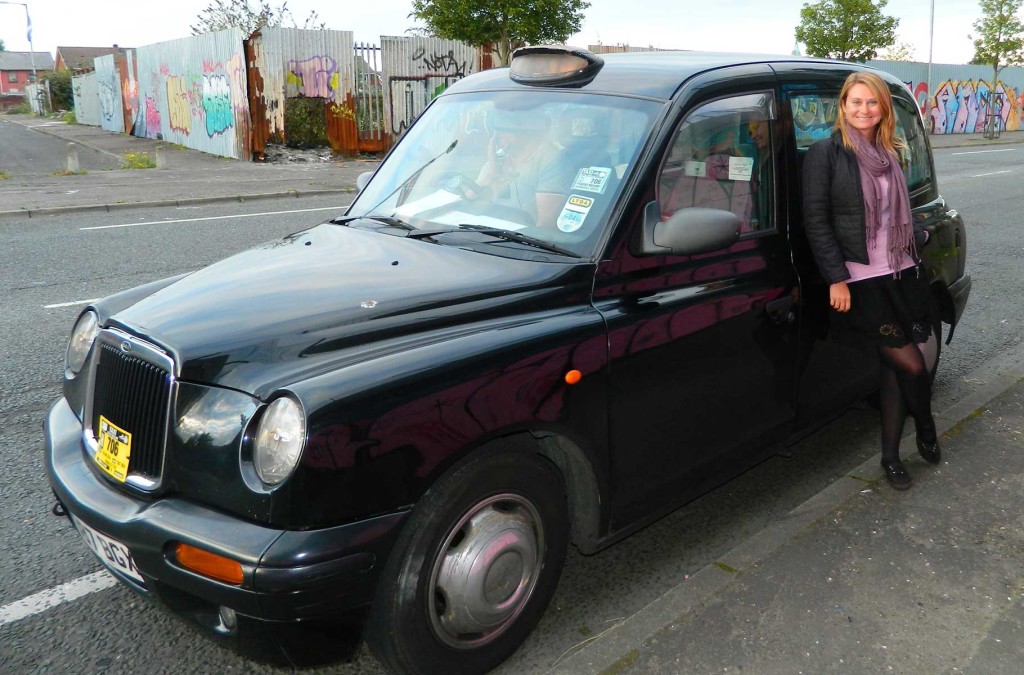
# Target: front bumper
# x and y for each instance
(289, 576)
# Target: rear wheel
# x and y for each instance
(474, 567)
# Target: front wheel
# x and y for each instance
(474, 567)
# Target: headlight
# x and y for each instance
(280, 436)
(82, 337)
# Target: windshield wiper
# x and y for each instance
(509, 235)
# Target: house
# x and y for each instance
(78, 59)
(16, 73)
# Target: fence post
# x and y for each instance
(72, 158)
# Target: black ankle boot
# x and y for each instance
(929, 451)
(896, 474)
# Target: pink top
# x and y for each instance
(878, 253)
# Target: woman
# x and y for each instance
(858, 221)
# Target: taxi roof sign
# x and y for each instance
(554, 65)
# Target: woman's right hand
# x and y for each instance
(839, 296)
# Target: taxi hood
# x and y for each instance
(294, 307)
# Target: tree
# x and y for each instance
(848, 30)
(899, 51)
(506, 23)
(1, 45)
(222, 14)
(61, 95)
(1000, 42)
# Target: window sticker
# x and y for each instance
(574, 213)
(741, 168)
(695, 169)
(592, 179)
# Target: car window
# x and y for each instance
(541, 163)
(814, 115)
(722, 158)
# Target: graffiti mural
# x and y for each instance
(419, 70)
(178, 110)
(217, 104)
(316, 77)
(960, 107)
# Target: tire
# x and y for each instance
(454, 596)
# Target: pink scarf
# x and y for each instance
(875, 162)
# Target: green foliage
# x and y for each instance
(2, 48)
(69, 117)
(848, 30)
(222, 14)
(900, 51)
(61, 94)
(506, 23)
(20, 109)
(305, 122)
(3, 174)
(138, 160)
(1000, 35)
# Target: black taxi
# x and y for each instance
(574, 296)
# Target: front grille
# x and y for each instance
(134, 394)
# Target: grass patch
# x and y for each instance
(20, 109)
(65, 172)
(69, 117)
(138, 160)
(4, 175)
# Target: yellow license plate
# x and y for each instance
(115, 447)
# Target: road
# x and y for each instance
(49, 266)
(27, 153)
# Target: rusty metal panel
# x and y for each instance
(291, 63)
(129, 89)
(87, 99)
(416, 70)
(192, 92)
(373, 133)
(958, 102)
(108, 85)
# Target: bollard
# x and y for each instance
(72, 158)
(161, 161)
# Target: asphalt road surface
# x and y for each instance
(50, 266)
(25, 153)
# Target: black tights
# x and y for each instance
(907, 374)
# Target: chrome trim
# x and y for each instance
(147, 352)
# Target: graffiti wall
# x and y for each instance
(416, 70)
(87, 102)
(293, 63)
(193, 92)
(108, 88)
(962, 97)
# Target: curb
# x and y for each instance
(618, 647)
(88, 208)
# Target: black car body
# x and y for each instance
(416, 407)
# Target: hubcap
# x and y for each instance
(485, 571)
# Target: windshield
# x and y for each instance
(545, 165)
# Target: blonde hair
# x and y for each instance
(885, 132)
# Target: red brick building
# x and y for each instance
(16, 73)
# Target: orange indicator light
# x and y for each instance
(208, 564)
(573, 376)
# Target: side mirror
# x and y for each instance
(689, 231)
(363, 180)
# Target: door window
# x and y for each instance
(722, 158)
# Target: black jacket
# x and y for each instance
(833, 207)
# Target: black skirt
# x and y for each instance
(888, 312)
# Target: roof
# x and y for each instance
(23, 60)
(81, 58)
(651, 74)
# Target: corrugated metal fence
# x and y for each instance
(230, 96)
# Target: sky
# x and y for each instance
(766, 26)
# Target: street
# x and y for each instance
(28, 153)
(51, 266)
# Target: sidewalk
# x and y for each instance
(189, 176)
(862, 578)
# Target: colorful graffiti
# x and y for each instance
(217, 104)
(315, 77)
(178, 110)
(152, 120)
(962, 106)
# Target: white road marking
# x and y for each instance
(70, 304)
(338, 208)
(980, 152)
(52, 597)
(994, 173)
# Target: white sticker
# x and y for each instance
(574, 213)
(740, 168)
(695, 169)
(592, 179)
